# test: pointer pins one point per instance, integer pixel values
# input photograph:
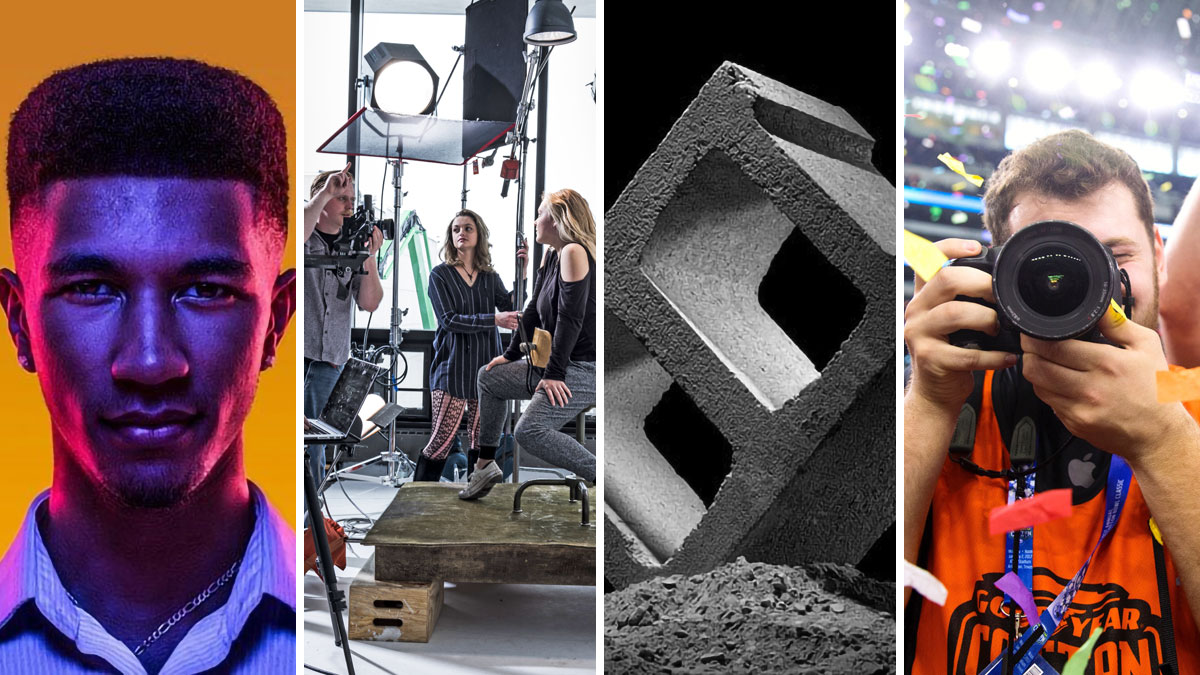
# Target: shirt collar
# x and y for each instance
(268, 568)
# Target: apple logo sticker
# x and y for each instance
(1081, 471)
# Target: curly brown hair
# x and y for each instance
(1068, 165)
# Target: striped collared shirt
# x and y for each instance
(43, 631)
(466, 336)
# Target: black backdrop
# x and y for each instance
(845, 56)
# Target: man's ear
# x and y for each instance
(283, 306)
(13, 300)
(1160, 258)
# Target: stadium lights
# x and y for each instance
(1098, 80)
(992, 58)
(1153, 89)
(1048, 70)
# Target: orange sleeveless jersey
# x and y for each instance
(1119, 592)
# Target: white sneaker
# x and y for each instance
(481, 482)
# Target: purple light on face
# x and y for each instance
(1016, 16)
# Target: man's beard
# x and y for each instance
(1146, 313)
(156, 487)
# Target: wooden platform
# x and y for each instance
(392, 611)
(429, 534)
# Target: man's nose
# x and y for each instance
(150, 350)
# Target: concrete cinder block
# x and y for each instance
(750, 331)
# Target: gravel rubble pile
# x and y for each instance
(753, 617)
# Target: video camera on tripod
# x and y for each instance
(353, 244)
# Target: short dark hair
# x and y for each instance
(150, 117)
(1068, 165)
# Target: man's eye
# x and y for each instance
(207, 292)
(91, 290)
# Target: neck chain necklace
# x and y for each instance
(182, 611)
(470, 275)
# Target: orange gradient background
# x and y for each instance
(257, 39)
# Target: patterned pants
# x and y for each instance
(447, 413)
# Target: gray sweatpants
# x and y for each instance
(538, 429)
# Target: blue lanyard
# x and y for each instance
(1029, 644)
(1020, 542)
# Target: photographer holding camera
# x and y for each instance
(330, 295)
(1094, 409)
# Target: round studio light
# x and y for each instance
(549, 23)
(404, 84)
(403, 88)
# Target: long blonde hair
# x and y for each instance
(572, 218)
(483, 252)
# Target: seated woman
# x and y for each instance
(465, 292)
(564, 304)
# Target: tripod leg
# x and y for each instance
(337, 599)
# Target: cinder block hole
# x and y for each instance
(880, 560)
(690, 443)
(388, 622)
(710, 249)
(810, 299)
(390, 604)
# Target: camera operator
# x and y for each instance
(330, 295)
(1139, 589)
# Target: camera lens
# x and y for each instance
(1053, 280)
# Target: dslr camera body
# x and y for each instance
(1052, 280)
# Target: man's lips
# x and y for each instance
(147, 418)
(144, 427)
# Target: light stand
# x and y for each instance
(535, 63)
(399, 465)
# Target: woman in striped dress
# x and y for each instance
(466, 292)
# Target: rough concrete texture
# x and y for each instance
(753, 618)
(695, 245)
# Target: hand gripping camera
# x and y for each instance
(1053, 280)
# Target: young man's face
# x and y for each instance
(1111, 214)
(147, 305)
(341, 206)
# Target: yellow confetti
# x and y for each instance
(1166, 187)
(1079, 661)
(958, 168)
(1179, 385)
(1155, 532)
(958, 187)
(1118, 315)
(921, 255)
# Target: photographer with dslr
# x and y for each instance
(985, 426)
(330, 295)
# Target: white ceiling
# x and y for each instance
(585, 9)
